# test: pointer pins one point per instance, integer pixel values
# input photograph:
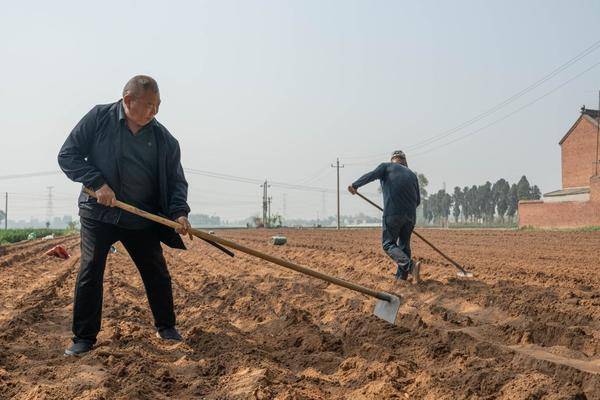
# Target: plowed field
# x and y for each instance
(527, 326)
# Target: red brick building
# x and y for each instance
(577, 204)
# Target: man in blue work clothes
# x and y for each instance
(122, 152)
(401, 197)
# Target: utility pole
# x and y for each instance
(337, 166)
(270, 198)
(324, 210)
(49, 206)
(284, 206)
(6, 211)
(265, 204)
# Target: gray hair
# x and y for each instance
(139, 84)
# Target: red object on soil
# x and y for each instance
(58, 251)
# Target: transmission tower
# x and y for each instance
(49, 206)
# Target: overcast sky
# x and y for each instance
(278, 89)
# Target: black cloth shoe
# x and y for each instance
(401, 274)
(78, 348)
(169, 334)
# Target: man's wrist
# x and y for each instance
(97, 183)
(178, 215)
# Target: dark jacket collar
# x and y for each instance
(123, 117)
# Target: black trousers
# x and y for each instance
(395, 239)
(144, 247)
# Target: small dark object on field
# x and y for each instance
(278, 240)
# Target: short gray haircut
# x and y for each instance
(139, 85)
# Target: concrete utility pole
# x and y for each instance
(338, 166)
(284, 206)
(270, 198)
(49, 206)
(265, 186)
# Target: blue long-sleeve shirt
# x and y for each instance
(400, 188)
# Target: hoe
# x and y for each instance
(463, 273)
(386, 307)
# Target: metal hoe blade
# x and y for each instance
(464, 274)
(387, 310)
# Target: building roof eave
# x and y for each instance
(568, 192)
(570, 130)
(587, 117)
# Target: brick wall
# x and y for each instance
(578, 153)
(570, 214)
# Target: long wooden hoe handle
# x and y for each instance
(158, 219)
(457, 265)
(275, 260)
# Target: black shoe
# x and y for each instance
(169, 334)
(78, 348)
(401, 274)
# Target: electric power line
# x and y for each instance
(590, 49)
(315, 176)
(282, 185)
(507, 115)
(478, 130)
(509, 100)
(29, 175)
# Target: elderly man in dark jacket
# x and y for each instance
(401, 197)
(121, 151)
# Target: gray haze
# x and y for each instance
(279, 89)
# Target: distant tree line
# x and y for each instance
(478, 204)
(204, 220)
(346, 220)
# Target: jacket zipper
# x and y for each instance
(119, 152)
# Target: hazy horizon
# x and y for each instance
(278, 90)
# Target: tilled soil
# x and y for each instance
(527, 326)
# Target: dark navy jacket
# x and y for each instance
(91, 155)
(400, 188)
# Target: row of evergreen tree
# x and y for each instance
(477, 204)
